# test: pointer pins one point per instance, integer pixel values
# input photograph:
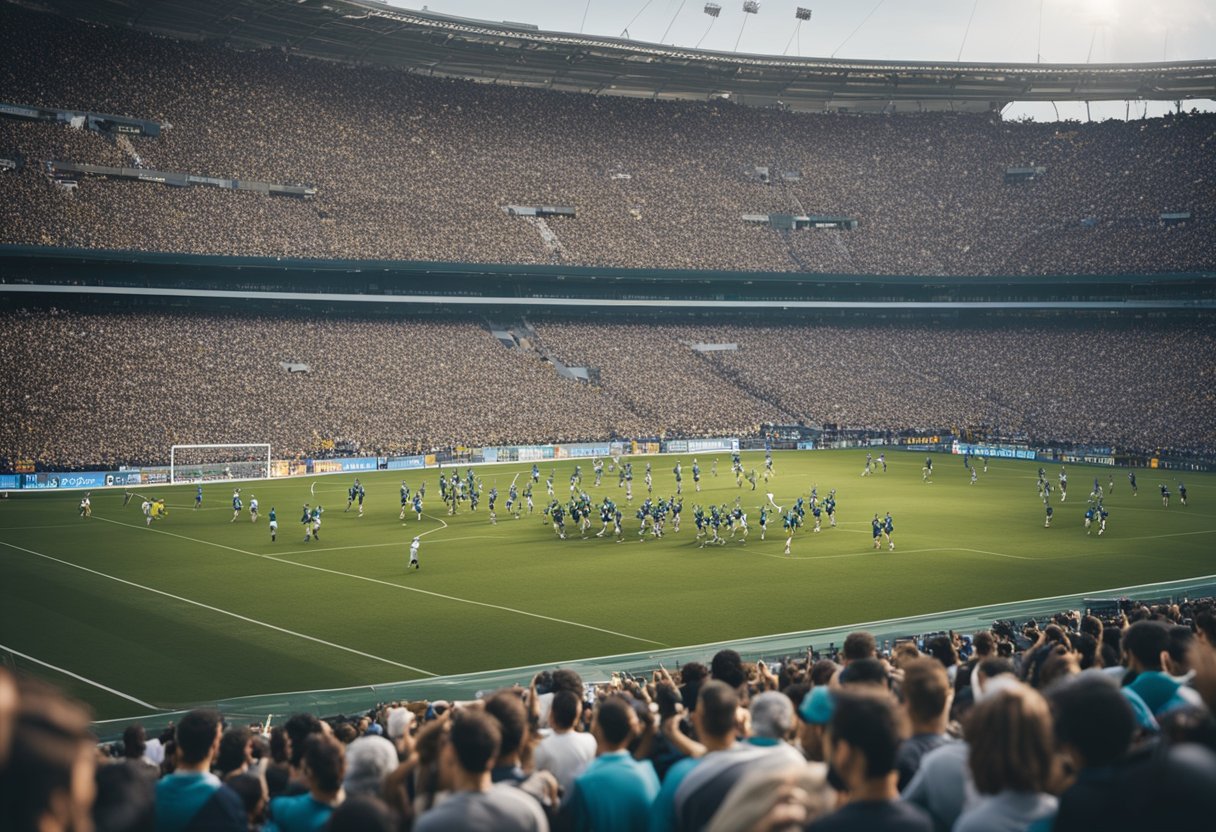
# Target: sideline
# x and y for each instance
(218, 609)
(6, 649)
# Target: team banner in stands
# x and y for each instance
(1006, 451)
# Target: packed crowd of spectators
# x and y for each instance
(1074, 722)
(89, 389)
(417, 168)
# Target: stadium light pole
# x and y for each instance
(749, 7)
(713, 10)
(800, 14)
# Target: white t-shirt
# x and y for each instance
(565, 756)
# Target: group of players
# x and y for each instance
(1096, 513)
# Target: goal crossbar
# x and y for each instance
(262, 460)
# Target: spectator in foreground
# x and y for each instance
(1146, 646)
(715, 722)
(1011, 762)
(565, 752)
(192, 797)
(927, 699)
(324, 767)
(776, 799)
(864, 737)
(616, 791)
(467, 753)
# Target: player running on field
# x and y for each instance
(236, 505)
(274, 525)
(414, 544)
(253, 508)
(888, 530)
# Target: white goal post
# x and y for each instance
(235, 461)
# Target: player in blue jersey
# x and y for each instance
(679, 472)
(1102, 515)
(198, 497)
(817, 513)
(352, 494)
(274, 525)
(696, 474)
(1089, 519)
(1050, 512)
(888, 530)
(316, 521)
(535, 473)
(677, 506)
(405, 499)
(926, 473)
(617, 529)
(1131, 481)
(236, 505)
(1165, 495)
(829, 507)
(1181, 492)
(876, 531)
(362, 494)
(306, 521)
(493, 497)
(418, 503)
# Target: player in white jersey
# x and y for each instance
(146, 508)
(414, 544)
(86, 506)
(253, 508)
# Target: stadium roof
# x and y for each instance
(364, 31)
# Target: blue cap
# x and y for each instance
(817, 706)
(375, 728)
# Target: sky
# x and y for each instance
(1073, 31)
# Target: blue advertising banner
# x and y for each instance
(8, 481)
(695, 445)
(401, 463)
(79, 479)
(806, 444)
(360, 463)
(585, 449)
(123, 478)
(995, 451)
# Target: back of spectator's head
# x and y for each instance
(279, 744)
(903, 653)
(512, 718)
(474, 738)
(234, 748)
(859, 645)
(299, 727)
(1057, 665)
(251, 789)
(865, 672)
(325, 761)
(564, 711)
(926, 690)
(988, 670)
(865, 733)
(1092, 717)
(565, 679)
(1144, 642)
(772, 715)
(1092, 625)
(197, 734)
(1180, 641)
(984, 644)
(1011, 744)
(48, 781)
(397, 722)
(369, 759)
(822, 671)
(799, 793)
(1205, 624)
(716, 706)
(942, 649)
(1087, 646)
(134, 741)
(615, 721)
(126, 799)
(362, 813)
(727, 666)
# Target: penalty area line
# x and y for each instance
(218, 609)
(5, 648)
(353, 576)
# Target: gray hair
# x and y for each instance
(772, 715)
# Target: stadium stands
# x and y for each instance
(420, 169)
(85, 389)
(1053, 722)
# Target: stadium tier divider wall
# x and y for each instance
(772, 648)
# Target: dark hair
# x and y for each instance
(326, 761)
(716, 704)
(1009, 734)
(564, 710)
(475, 737)
(278, 744)
(512, 718)
(926, 689)
(984, 643)
(134, 741)
(299, 727)
(942, 649)
(1092, 716)
(1206, 622)
(1180, 640)
(567, 680)
(362, 813)
(612, 717)
(195, 734)
(1146, 641)
(727, 666)
(1092, 625)
(693, 672)
(250, 790)
(859, 645)
(995, 667)
(126, 799)
(865, 671)
(1087, 646)
(869, 722)
(232, 749)
(822, 671)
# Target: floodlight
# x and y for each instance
(713, 9)
(802, 14)
(751, 7)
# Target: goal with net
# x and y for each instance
(200, 463)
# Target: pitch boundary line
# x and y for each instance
(386, 583)
(219, 610)
(88, 681)
(281, 555)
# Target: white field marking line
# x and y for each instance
(217, 609)
(380, 545)
(383, 583)
(98, 685)
(52, 526)
(884, 550)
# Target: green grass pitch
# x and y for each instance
(197, 608)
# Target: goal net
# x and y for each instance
(200, 463)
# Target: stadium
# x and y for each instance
(422, 421)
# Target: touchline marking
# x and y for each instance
(383, 583)
(99, 685)
(217, 609)
(279, 555)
